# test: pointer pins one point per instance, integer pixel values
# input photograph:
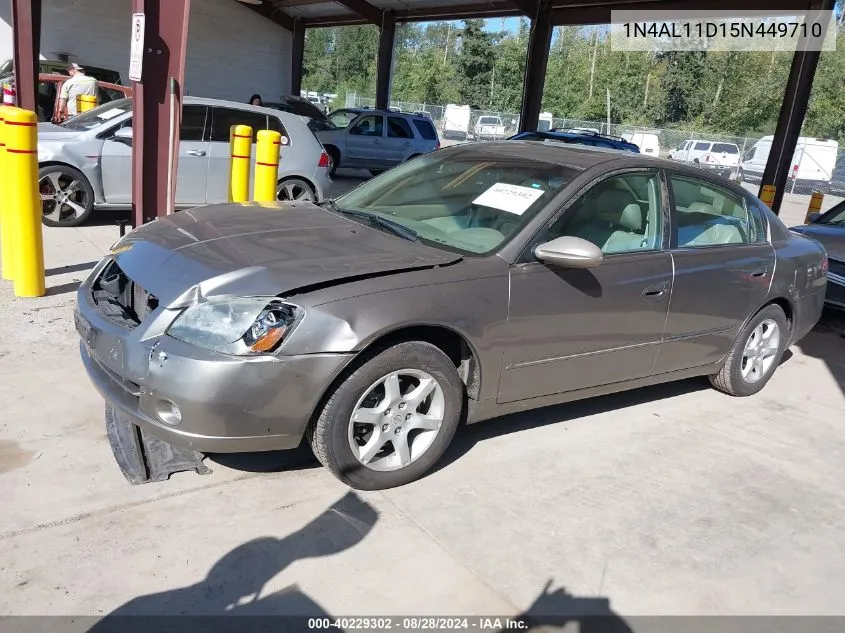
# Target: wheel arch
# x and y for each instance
(448, 340)
(305, 179)
(95, 184)
(783, 303)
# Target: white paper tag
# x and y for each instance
(511, 198)
(110, 114)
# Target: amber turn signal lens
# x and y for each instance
(269, 340)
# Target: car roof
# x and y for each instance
(378, 111)
(580, 157)
(576, 136)
(237, 105)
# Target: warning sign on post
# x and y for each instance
(136, 49)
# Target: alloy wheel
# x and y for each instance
(295, 189)
(760, 351)
(63, 197)
(396, 420)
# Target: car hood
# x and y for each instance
(257, 249)
(831, 237)
(51, 132)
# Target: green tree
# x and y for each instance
(475, 64)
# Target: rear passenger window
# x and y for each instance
(725, 148)
(707, 215)
(222, 119)
(702, 146)
(426, 129)
(398, 127)
(276, 124)
(192, 127)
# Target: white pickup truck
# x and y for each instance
(489, 128)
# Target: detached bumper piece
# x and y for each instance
(144, 458)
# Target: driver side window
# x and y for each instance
(370, 125)
(619, 215)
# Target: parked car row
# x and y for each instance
(814, 162)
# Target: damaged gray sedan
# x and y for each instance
(469, 283)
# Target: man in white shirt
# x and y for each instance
(78, 84)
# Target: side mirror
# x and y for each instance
(123, 135)
(813, 217)
(569, 252)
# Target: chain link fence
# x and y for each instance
(739, 158)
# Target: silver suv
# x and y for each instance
(86, 163)
(376, 139)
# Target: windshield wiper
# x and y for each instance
(394, 227)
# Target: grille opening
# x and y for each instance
(121, 299)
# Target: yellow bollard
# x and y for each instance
(241, 145)
(6, 231)
(85, 103)
(815, 205)
(767, 195)
(267, 165)
(21, 136)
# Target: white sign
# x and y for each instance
(136, 50)
(511, 198)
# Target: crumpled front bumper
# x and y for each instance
(224, 403)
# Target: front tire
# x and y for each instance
(67, 198)
(389, 421)
(756, 354)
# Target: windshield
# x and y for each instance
(99, 115)
(489, 120)
(342, 118)
(835, 216)
(470, 202)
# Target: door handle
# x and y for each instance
(656, 291)
(195, 152)
(376, 141)
(760, 272)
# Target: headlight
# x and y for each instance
(250, 325)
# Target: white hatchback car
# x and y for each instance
(86, 162)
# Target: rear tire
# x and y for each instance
(291, 189)
(364, 424)
(755, 355)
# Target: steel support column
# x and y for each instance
(26, 42)
(157, 106)
(792, 112)
(384, 74)
(296, 56)
(539, 45)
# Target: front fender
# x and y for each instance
(476, 309)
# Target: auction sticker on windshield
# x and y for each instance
(511, 198)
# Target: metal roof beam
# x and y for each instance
(364, 9)
(579, 12)
(274, 14)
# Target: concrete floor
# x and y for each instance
(669, 500)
